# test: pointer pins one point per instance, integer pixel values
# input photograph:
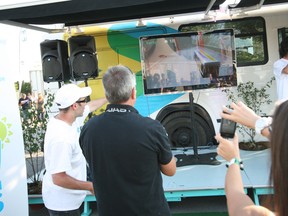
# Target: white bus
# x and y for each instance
(257, 33)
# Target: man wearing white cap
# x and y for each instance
(64, 183)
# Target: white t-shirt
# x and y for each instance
(62, 153)
(281, 78)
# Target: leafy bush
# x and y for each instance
(25, 87)
(34, 130)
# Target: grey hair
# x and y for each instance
(118, 82)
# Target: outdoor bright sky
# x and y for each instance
(20, 51)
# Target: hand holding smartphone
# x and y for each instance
(227, 128)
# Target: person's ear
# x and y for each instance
(74, 106)
(133, 95)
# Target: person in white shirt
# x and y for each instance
(280, 69)
(64, 184)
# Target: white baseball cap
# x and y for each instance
(69, 94)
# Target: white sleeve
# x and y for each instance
(63, 163)
(278, 67)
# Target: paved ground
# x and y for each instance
(187, 205)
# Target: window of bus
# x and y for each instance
(250, 38)
(282, 35)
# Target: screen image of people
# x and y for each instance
(188, 61)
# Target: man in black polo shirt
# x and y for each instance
(126, 152)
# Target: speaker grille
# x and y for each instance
(83, 61)
(53, 66)
(84, 65)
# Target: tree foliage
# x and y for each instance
(34, 130)
(26, 87)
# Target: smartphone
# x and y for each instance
(227, 128)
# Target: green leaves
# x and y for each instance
(34, 129)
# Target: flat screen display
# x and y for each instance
(188, 61)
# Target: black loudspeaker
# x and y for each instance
(55, 64)
(83, 61)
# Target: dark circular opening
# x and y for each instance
(84, 65)
(179, 128)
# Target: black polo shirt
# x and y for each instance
(124, 151)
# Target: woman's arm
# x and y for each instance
(242, 114)
(239, 203)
